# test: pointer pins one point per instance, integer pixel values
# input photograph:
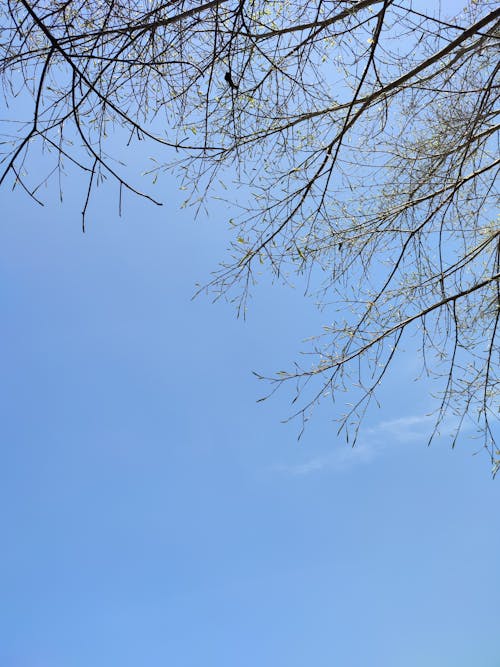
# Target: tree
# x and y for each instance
(364, 139)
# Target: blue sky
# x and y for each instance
(152, 513)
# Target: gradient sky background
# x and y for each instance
(152, 513)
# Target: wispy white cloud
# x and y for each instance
(373, 443)
(339, 459)
(403, 429)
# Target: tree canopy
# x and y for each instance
(360, 139)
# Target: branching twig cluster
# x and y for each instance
(364, 139)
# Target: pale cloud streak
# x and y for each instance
(373, 443)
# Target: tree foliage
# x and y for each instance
(362, 138)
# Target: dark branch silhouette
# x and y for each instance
(364, 144)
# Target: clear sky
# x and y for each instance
(152, 513)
